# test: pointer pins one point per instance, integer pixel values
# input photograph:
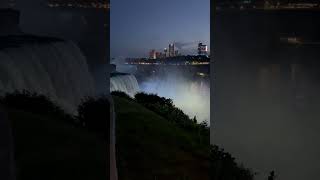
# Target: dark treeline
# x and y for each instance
(92, 116)
(222, 164)
(50, 143)
(91, 112)
(167, 109)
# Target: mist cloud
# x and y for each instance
(193, 97)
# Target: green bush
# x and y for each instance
(166, 109)
(145, 98)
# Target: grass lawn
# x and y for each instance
(148, 146)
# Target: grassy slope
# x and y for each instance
(149, 146)
(50, 149)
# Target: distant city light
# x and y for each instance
(97, 4)
(267, 5)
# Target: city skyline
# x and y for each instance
(172, 51)
(139, 26)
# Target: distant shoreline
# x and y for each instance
(178, 60)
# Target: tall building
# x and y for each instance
(152, 54)
(159, 55)
(171, 50)
(202, 49)
(165, 52)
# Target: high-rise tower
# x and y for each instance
(171, 50)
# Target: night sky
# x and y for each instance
(140, 25)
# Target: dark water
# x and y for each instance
(266, 108)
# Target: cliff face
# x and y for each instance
(9, 22)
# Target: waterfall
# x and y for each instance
(124, 82)
(54, 68)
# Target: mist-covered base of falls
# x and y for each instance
(189, 93)
(192, 97)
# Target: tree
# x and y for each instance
(93, 113)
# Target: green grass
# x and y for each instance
(51, 149)
(149, 145)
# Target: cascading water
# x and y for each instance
(53, 68)
(124, 82)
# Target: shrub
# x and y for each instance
(33, 102)
(145, 98)
(94, 113)
(224, 166)
(121, 94)
(166, 108)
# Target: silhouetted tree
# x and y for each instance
(34, 103)
(121, 94)
(93, 113)
(166, 109)
(224, 166)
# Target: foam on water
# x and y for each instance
(124, 82)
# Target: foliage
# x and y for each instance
(35, 103)
(145, 98)
(163, 149)
(93, 113)
(121, 94)
(166, 109)
(166, 134)
(224, 166)
(47, 147)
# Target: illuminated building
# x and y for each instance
(152, 54)
(171, 50)
(165, 52)
(202, 49)
(159, 55)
